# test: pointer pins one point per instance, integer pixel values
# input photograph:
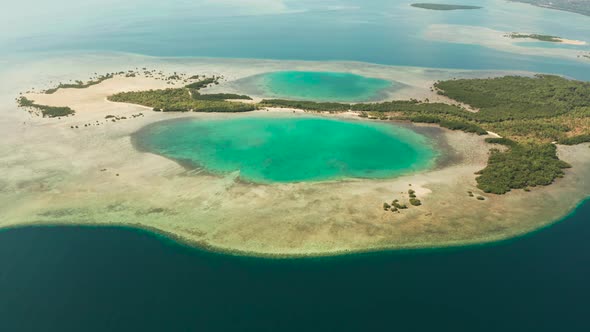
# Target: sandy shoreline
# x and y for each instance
(94, 176)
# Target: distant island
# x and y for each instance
(574, 6)
(440, 6)
(544, 38)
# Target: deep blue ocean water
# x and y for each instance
(112, 279)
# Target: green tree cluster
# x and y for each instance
(80, 84)
(47, 111)
(521, 166)
(178, 100)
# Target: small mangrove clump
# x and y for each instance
(187, 99)
(399, 206)
(46, 111)
(79, 84)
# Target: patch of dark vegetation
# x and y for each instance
(521, 166)
(461, 125)
(500, 141)
(219, 96)
(46, 111)
(516, 98)
(545, 38)
(396, 204)
(306, 105)
(203, 83)
(574, 140)
(178, 100)
(80, 84)
(187, 99)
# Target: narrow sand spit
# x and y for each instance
(93, 175)
(572, 42)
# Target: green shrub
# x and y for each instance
(178, 100)
(80, 84)
(415, 202)
(575, 140)
(46, 111)
(306, 105)
(202, 83)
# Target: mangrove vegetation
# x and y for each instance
(46, 111)
(187, 99)
(80, 84)
(545, 38)
(521, 166)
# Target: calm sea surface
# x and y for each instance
(112, 279)
(377, 31)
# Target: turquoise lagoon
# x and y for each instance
(322, 86)
(290, 149)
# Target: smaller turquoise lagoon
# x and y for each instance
(320, 86)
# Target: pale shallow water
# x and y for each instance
(380, 31)
(266, 149)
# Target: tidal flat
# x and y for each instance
(94, 175)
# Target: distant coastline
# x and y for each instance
(574, 6)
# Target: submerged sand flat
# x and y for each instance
(53, 174)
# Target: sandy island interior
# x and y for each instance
(53, 174)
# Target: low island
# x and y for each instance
(440, 6)
(544, 38)
(512, 157)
